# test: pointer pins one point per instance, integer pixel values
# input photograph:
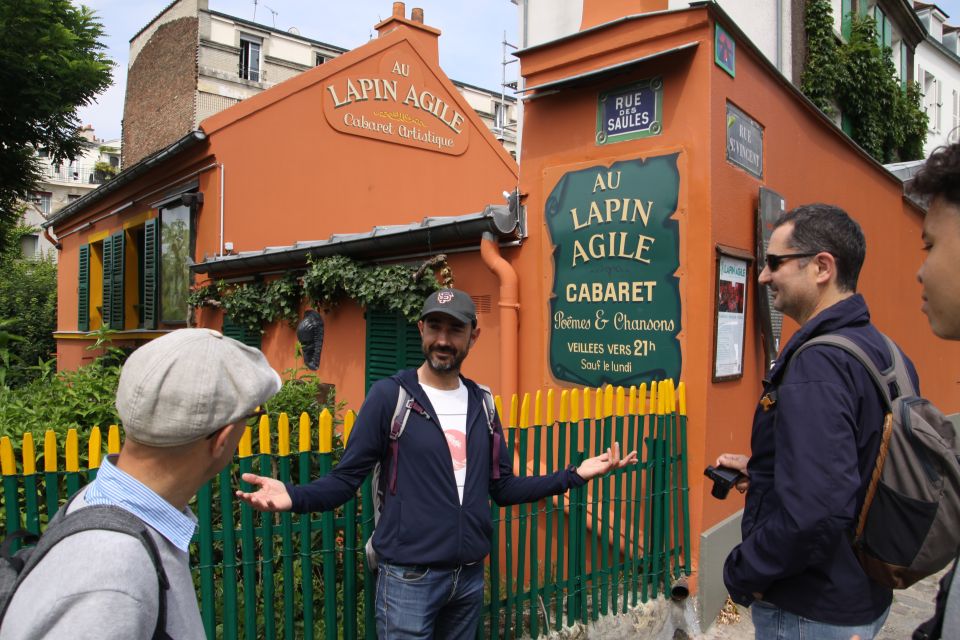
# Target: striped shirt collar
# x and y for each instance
(116, 487)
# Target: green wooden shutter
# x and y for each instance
(83, 290)
(240, 333)
(393, 344)
(846, 7)
(117, 249)
(903, 65)
(107, 289)
(150, 271)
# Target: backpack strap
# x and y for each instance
(881, 379)
(490, 409)
(398, 424)
(107, 518)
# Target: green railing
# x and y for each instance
(598, 550)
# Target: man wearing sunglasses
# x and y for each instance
(816, 434)
(183, 400)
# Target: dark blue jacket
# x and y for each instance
(812, 453)
(424, 523)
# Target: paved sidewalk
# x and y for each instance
(910, 607)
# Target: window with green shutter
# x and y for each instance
(149, 292)
(83, 290)
(113, 263)
(393, 343)
(241, 333)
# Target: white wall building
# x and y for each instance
(938, 72)
(62, 183)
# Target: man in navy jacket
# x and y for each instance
(434, 529)
(816, 434)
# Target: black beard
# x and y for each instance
(444, 367)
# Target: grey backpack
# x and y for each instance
(398, 423)
(909, 526)
(15, 566)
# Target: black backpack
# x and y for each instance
(909, 525)
(16, 566)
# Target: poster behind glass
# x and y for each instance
(732, 273)
(175, 269)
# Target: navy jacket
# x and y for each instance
(424, 523)
(812, 453)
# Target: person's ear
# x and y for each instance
(826, 267)
(221, 438)
(474, 334)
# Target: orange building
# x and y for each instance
(646, 141)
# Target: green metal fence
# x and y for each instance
(600, 549)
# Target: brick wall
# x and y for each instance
(161, 87)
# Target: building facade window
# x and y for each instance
(955, 123)
(30, 246)
(43, 201)
(319, 59)
(250, 58)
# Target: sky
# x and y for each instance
(471, 47)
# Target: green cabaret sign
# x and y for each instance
(615, 309)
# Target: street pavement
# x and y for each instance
(910, 607)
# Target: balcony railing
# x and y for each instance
(76, 174)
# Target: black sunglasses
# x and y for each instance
(774, 261)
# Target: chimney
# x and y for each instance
(426, 36)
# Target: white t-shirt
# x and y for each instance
(451, 408)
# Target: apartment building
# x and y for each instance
(191, 62)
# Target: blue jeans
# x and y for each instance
(424, 602)
(773, 623)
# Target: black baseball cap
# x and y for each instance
(453, 302)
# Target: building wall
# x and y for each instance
(159, 105)
(806, 160)
(938, 73)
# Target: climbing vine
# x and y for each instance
(326, 283)
(859, 77)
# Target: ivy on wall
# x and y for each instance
(859, 77)
(326, 283)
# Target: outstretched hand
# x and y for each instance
(271, 495)
(605, 462)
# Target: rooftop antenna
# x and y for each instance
(274, 15)
(254, 10)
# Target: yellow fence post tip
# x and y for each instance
(498, 403)
(609, 393)
(304, 440)
(50, 451)
(113, 439)
(326, 432)
(587, 404)
(525, 411)
(71, 451)
(263, 434)
(514, 410)
(575, 405)
(565, 406)
(94, 448)
(621, 401)
(551, 398)
(8, 464)
(283, 434)
(682, 396)
(349, 419)
(29, 455)
(245, 450)
(537, 413)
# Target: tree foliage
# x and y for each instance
(28, 311)
(859, 77)
(51, 63)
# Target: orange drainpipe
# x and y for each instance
(509, 313)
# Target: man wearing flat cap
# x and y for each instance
(183, 400)
(434, 527)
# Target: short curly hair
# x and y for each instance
(939, 177)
